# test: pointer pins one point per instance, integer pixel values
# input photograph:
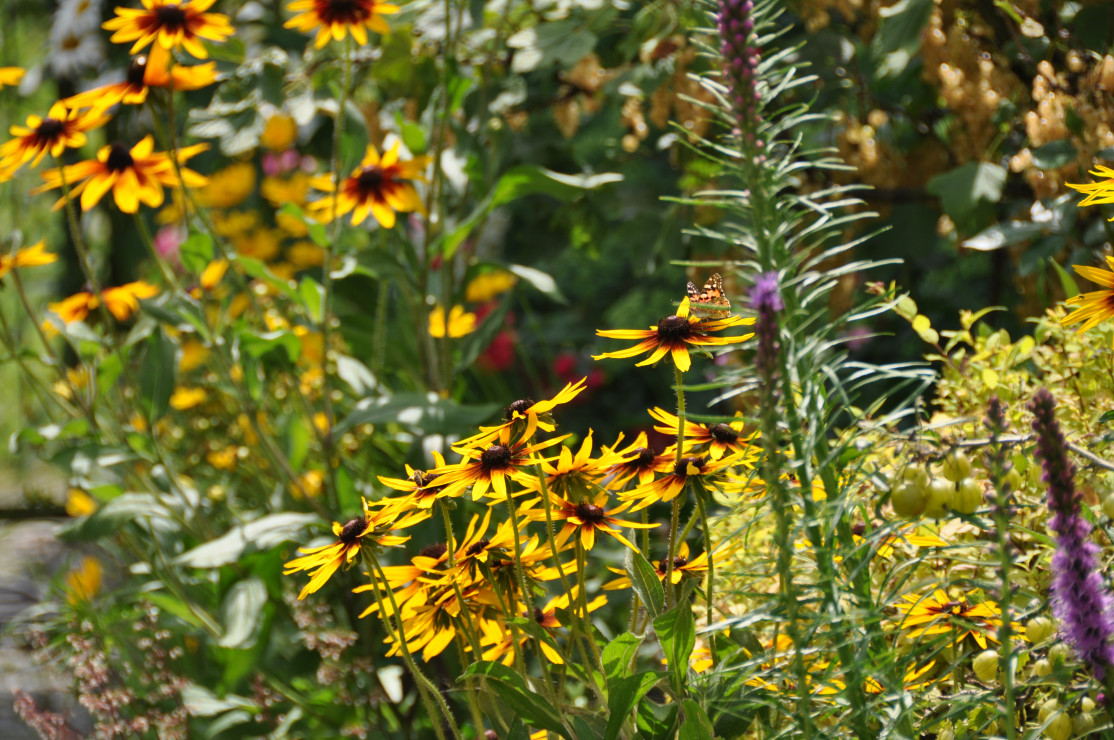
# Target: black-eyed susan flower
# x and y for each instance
(32, 256)
(1098, 193)
(379, 186)
(407, 581)
(636, 460)
(937, 614)
(371, 529)
(429, 620)
(673, 336)
(1098, 305)
(416, 485)
(573, 476)
(154, 69)
(498, 639)
(491, 467)
(717, 439)
(668, 487)
(169, 24)
(459, 323)
(584, 519)
(62, 128)
(11, 76)
(136, 175)
(683, 565)
(335, 19)
(121, 301)
(524, 417)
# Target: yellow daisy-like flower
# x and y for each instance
(121, 301)
(719, 438)
(154, 69)
(490, 468)
(524, 417)
(936, 614)
(1096, 306)
(170, 24)
(673, 336)
(187, 398)
(1098, 193)
(11, 76)
(378, 187)
(488, 285)
(670, 486)
(322, 562)
(32, 256)
(84, 581)
(586, 518)
(136, 175)
(337, 18)
(62, 128)
(458, 324)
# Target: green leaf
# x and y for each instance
(644, 580)
(200, 702)
(356, 374)
(696, 726)
(676, 631)
(1054, 155)
(961, 189)
(563, 41)
(241, 613)
(317, 233)
(257, 345)
(1107, 417)
(261, 534)
(113, 516)
(196, 252)
(623, 695)
(900, 29)
(1003, 235)
(1068, 283)
(513, 691)
(427, 413)
(258, 270)
(313, 297)
(540, 280)
(156, 375)
(617, 655)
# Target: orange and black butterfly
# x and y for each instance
(709, 302)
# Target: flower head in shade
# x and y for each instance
(669, 486)
(170, 24)
(636, 460)
(121, 301)
(371, 529)
(584, 519)
(62, 128)
(524, 417)
(1096, 306)
(379, 186)
(136, 175)
(335, 19)
(673, 336)
(1079, 596)
(717, 439)
(937, 614)
(31, 256)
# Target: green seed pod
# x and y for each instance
(1042, 668)
(1039, 629)
(908, 500)
(940, 494)
(1059, 654)
(986, 666)
(1082, 723)
(1059, 727)
(1048, 709)
(1108, 506)
(968, 498)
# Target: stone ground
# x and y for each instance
(31, 554)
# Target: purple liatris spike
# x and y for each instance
(766, 301)
(740, 59)
(1079, 596)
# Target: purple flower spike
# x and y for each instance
(766, 300)
(739, 58)
(1079, 597)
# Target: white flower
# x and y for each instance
(75, 17)
(73, 54)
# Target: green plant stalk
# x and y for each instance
(527, 597)
(709, 593)
(675, 515)
(164, 269)
(582, 598)
(326, 325)
(997, 467)
(431, 697)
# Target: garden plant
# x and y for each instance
(567, 369)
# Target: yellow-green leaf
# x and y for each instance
(989, 378)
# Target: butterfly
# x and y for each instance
(709, 301)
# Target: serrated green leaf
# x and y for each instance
(313, 297)
(617, 655)
(1054, 154)
(1107, 417)
(110, 518)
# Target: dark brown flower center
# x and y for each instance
(678, 562)
(496, 457)
(673, 328)
(171, 17)
(645, 457)
(136, 70)
(370, 181)
(590, 513)
(352, 530)
(539, 615)
(477, 547)
(681, 468)
(421, 479)
(724, 433)
(521, 406)
(119, 158)
(435, 551)
(49, 129)
(343, 11)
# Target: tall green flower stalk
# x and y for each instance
(802, 379)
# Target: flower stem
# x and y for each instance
(675, 516)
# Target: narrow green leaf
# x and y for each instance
(156, 379)
(313, 297)
(1071, 289)
(644, 581)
